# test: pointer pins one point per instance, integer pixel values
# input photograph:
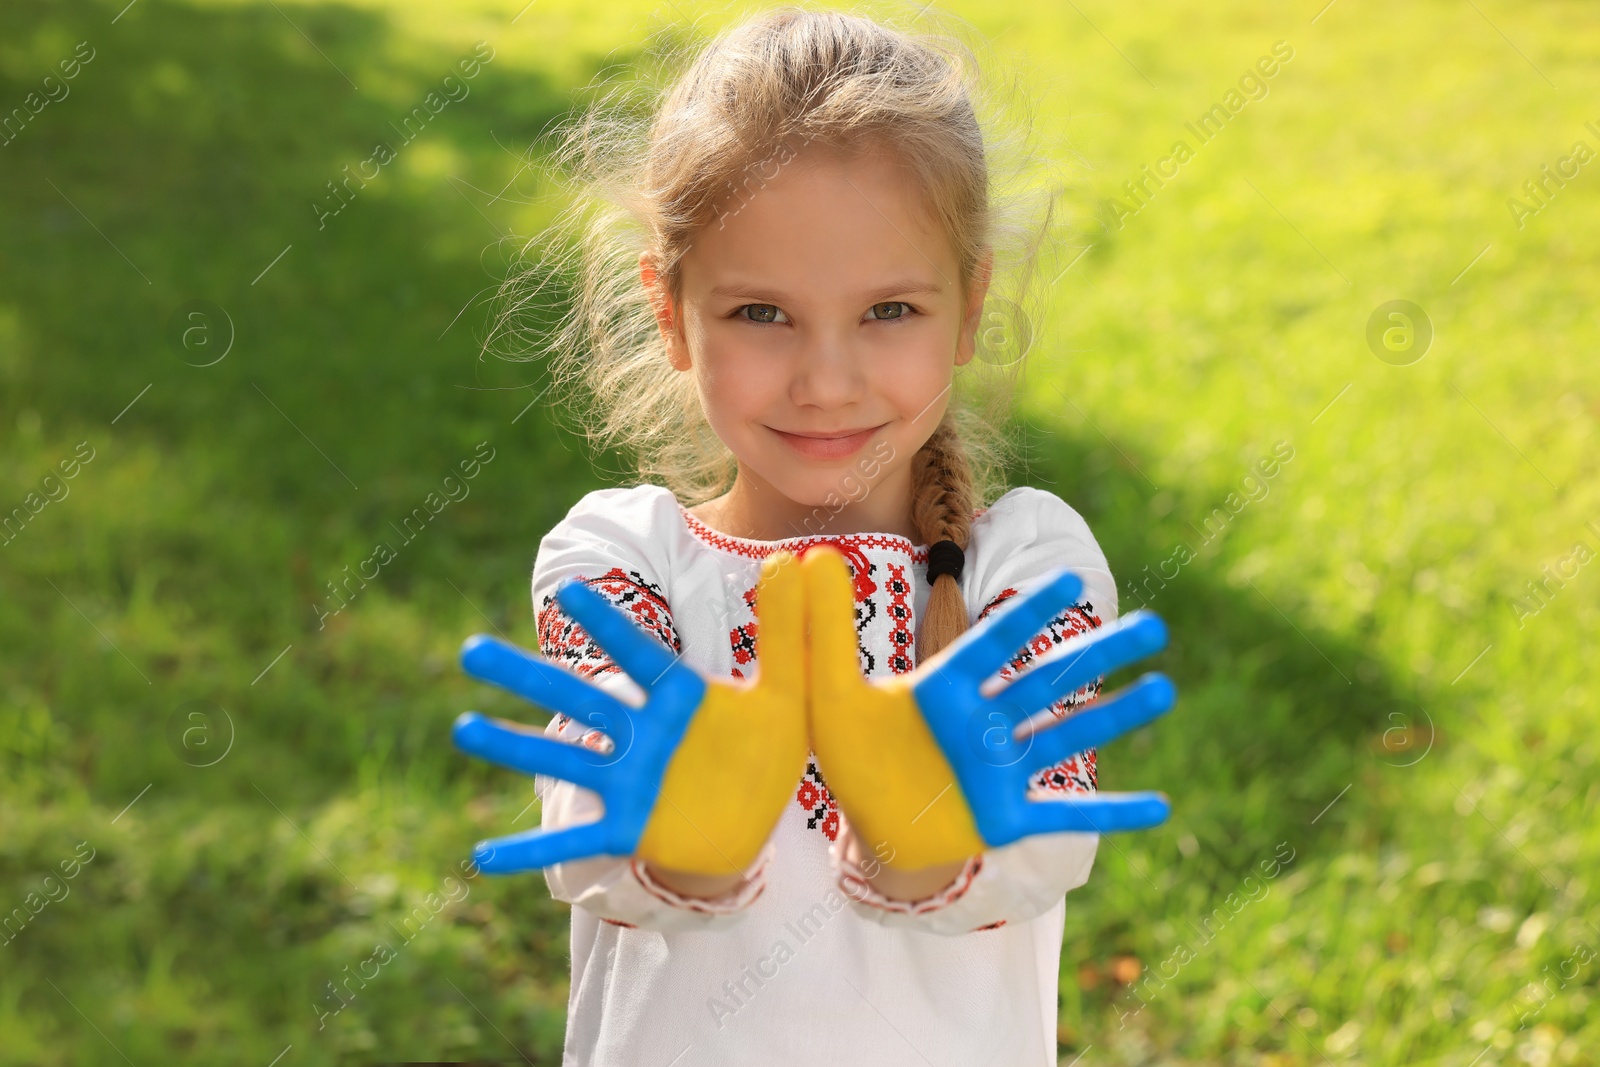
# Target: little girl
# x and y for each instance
(817, 235)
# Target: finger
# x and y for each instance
(1082, 660)
(540, 848)
(831, 614)
(1100, 813)
(780, 629)
(477, 735)
(1150, 697)
(990, 645)
(642, 657)
(537, 679)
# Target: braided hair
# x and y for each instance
(942, 500)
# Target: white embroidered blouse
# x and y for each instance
(807, 960)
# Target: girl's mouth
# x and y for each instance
(835, 445)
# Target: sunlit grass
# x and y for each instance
(1365, 681)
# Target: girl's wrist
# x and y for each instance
(895, 884)
(698, 886)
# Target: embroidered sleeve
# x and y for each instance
(564, 641)
(1075, 774)
(595, 547)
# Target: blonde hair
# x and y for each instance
(651, 166)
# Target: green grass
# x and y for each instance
(1332, 614)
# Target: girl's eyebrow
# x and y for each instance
(882, 293)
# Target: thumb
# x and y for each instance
(834, 659)
(780, 625)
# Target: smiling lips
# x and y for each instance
(828, 446)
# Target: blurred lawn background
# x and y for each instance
(1363, 700)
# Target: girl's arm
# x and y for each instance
(891, 882)
(1029, 532)
(617, 541)
(699, 886)
(621, 889)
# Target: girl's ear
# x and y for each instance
(966, 344)
(666, 320)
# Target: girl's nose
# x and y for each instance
(827, 374)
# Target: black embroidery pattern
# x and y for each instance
(563, 640)
(1077, 773)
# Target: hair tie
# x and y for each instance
(945, 557)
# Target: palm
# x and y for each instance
(694, 779)
(929, 764)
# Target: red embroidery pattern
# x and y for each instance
(822, 811)
(762, 549)
(902, 659)
(1077, 773)
(563, 640)
(744, 637)
(593, 740)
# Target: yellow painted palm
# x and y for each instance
(695, 779)
(930, 767)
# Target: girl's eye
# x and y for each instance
(890, 310)
(765, 314)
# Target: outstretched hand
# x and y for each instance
(929, 764)
(694, 779)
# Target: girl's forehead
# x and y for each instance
(822, 170)
(823, 222)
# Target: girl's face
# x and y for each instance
(822, 318)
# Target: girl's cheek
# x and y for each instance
(735, 395)
(915, 382)
(736, 385)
